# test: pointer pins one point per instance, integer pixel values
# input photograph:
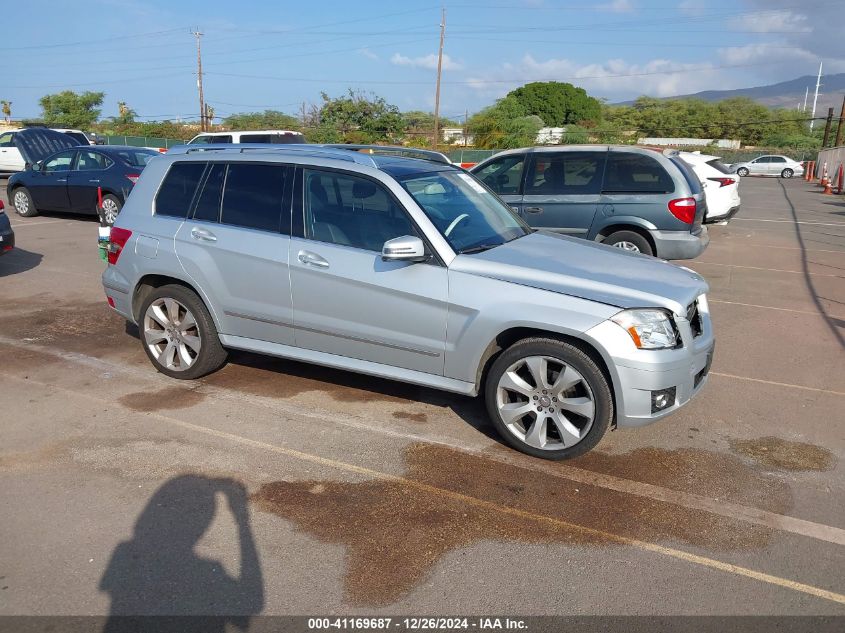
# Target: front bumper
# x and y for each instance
(637, 373)
(679, 244)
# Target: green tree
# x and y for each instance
(557, 103)
(355, 118)
(125, 114)
(7, 110)
(69, 109)
(504, 125)
(267, 120)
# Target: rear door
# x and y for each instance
(562, 190)
(504, 175)
(49, 190)
(636, 185)
(235, 245)
(88, 174)
(777, 165)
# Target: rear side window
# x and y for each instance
(503, 175)
(256, 138)
(177, 191)
(719, 165)
(566, 173)
(208, 202)
(254, 195)
(92, 161)
(6, 140)
(635, 173)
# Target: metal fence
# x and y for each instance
(143, 141)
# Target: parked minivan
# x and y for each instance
(633, 198)
(409, 270)
(276, 137)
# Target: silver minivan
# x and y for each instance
(407, 270)
(634, 198)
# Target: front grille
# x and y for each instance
(694, 318)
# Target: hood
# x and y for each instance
(589, 270)
(37, 143)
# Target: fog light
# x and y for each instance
(662, 399)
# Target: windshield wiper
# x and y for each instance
(477, 249)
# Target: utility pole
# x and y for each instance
(197, 34)
(827, 127)
(466, 118)
(816, 98)
(439, 72)
(839, 127)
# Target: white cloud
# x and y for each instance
(618, 6)
(426, 61)
(366, 52)
(772, 21)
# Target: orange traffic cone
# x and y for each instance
(827, 188)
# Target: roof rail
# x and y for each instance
(313, 151)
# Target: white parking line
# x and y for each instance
(773, 270)
(789, 221)
(778, 384)
(744, 244)
(755, 305)
(470, 500)
(39, 223)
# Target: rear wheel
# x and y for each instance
(22, 201)
(178, 333)
(786, 173)
(548, 399)
(629, 241)
(742, 171)
(111, 207)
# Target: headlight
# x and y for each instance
(649, 329)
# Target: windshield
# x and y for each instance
(137, 157)
(467, 214)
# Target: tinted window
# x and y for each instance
(177, 191)
(79, 137)
(208, 202)
(92, 161)
(762, 159)
(635, 173)
(351, 211)
(288, 138)
(719, 165)
(503, 175)
(6, 140)
(777, 159)
(254, 196)
(201, 140)
(220, 139)
(256, 138)
(566, 173)
(137, 158)
(60, 162)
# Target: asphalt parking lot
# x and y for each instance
(281, 488)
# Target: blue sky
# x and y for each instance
(260, 55)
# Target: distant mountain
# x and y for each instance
(786, 94)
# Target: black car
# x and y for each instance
(69, 179)
(7, 235)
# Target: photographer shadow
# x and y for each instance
(158, 579)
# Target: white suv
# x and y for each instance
(276, 137)
(721, 187)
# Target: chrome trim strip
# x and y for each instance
(336, 335)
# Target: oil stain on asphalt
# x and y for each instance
(774, 452)
(162, 399)
(394, 534)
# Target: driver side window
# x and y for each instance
(504, 176)
(60, 162)
(351, 211)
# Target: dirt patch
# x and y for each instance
(280, 378)
(413, 417)
(162, 400)
(774, 452)
(38, 458)
(395, 533)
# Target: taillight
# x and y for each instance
(683, 209)
(133, 177)
(1, 207)
(723, 182)
(117, 240)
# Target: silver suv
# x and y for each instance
(408, 270)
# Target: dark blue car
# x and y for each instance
(67, 180)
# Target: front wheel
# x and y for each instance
(786, 173)
(23, 203)
(629, 241)
(178, 333)
(548, 399)
(742, 171)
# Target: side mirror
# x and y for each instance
(35, 166)
(404, 249)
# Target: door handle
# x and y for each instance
(202, 234)
(533, 209)
(94, 180)
(61, 179)
(312, 259)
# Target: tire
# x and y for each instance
(786, 173)
(629, 241)
(168, 343)
(23, 203)
(742, 171)
(111, 207)
(561, 435)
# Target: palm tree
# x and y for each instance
(7, 110)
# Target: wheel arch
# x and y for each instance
(151, 281)
(507, 338)
(640, 229)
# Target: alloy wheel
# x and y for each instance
(110, 210)
(21, 202)
(627, 246)
(171, 334)
(545, 403)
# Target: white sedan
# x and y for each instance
(771, 165)
(721, 187)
